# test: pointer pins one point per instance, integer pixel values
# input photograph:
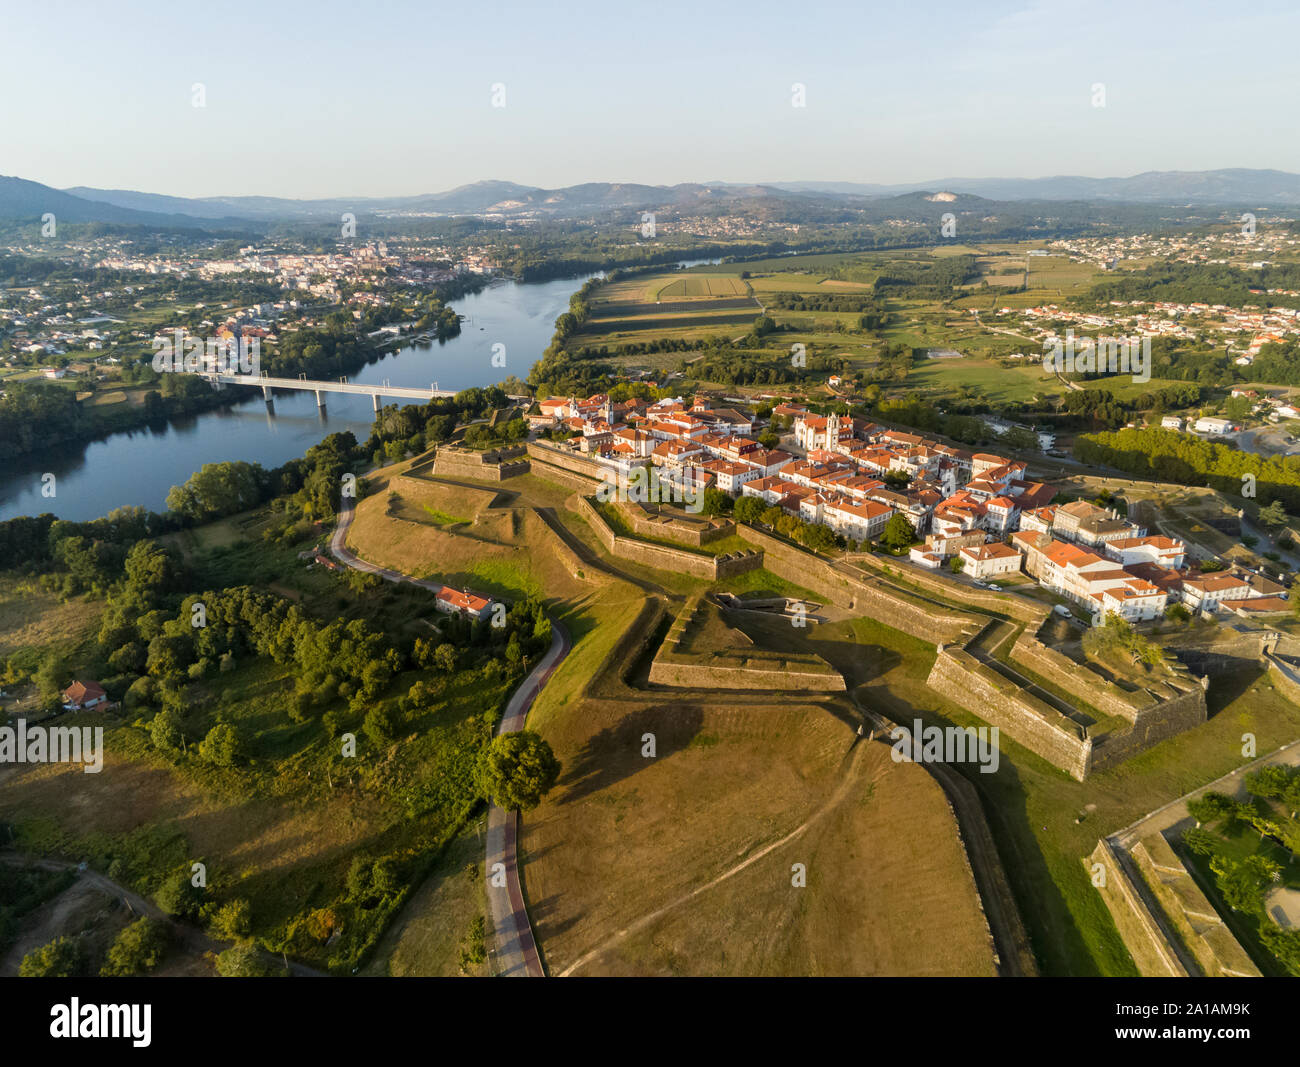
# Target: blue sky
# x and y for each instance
(387, 98)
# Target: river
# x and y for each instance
(140, 466)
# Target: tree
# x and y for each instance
(1211, 807)
(817, 537)
(381, 725)
(151, 570)
(748, 509)
(898, 532)
(1271, 781)
(177, 896)
(217, 489)
(321, 924)
(716, 502)
(1274, 515)
(514, 653)
(166, 729)
(233, 920)
(956, 564)
(61, 958)
(1022, 440)
(444, 656)
(517, 770)
(138, 948)
(50, 677)
(223, 747)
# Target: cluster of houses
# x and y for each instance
(1248, 328)
(977, 508)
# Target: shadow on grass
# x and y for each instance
(614, 753)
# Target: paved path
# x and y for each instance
(1175, 812)
(338, 546)
(516, 952)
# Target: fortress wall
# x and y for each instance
(1102, 694)
(1189, 911)
(1147, 944)
(664, 557)
(700, 676)
(697, 534)
(805, 569)
(1042, 729)
(1151, 725)
(493, 466)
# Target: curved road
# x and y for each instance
(516, 951)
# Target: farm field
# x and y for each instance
(705, 286)
(697, 305)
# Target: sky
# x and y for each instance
(395, 98)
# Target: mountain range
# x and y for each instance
(28, 200)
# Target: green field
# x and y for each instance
(706, 286)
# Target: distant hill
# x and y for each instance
(25, 200)
(478, 198)
(1230, 186)
(21, 199)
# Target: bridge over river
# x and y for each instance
(304, 384)
(310, 385)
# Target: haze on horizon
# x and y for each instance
(325, 99)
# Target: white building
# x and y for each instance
(989, 561)
(1210, 424)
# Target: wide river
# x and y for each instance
(139, 467)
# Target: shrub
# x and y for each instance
(233, 920)
(177, 896)
(138, 948)
(245, 961)
(223, 747)
(61, 958)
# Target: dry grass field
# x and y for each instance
(624, 836)
(425, 938)
(32, 617)
(876, 902)
(659, 848)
